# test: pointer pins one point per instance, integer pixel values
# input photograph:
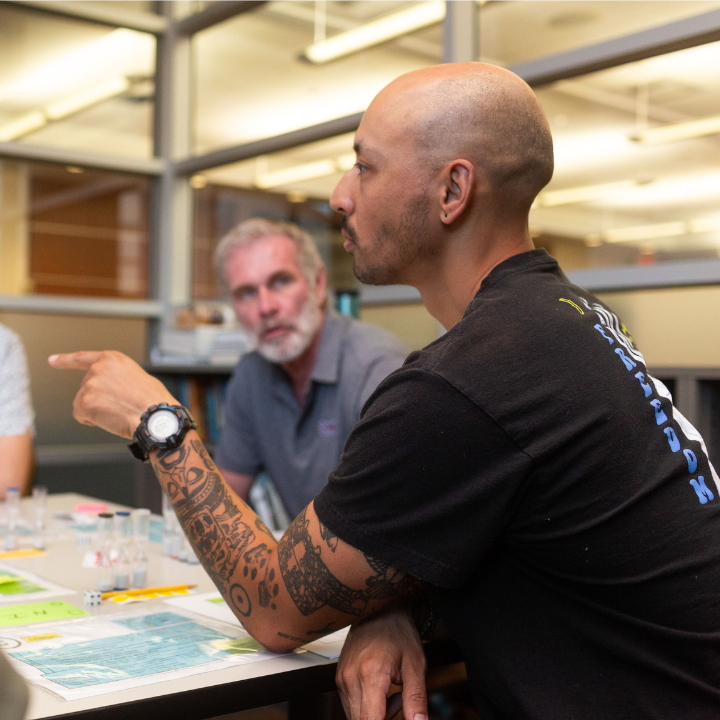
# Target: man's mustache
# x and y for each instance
(348, 230)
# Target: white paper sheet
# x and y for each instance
(93, 656)
(37, 588)
(213, 606)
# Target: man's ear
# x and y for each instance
(321, 286)
(458, 181)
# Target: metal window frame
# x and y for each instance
(173, 163)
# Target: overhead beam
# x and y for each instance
(633, 277)
(677, 35)
(41, 153)
(215, 13)
(114, 16)
(325, 130)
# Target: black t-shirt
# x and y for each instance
(563, 511)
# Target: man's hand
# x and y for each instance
(381, 651)
(115, 391)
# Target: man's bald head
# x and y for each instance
(479, 112)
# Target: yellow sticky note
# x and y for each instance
(35, 638)
(21, 553)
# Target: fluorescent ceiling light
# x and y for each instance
(37, 119)
(376, 31)
(87, 98)
(23, 125)
(309, 171)
(120, 52)
(551, 198)
(678, 131)
(645, 232)
(705, 225)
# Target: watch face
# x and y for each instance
(162, 424)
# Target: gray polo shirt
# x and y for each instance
(265, 428)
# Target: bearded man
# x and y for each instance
(293, 401)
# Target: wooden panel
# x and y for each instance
(88, 233)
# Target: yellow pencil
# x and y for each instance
(143, 591)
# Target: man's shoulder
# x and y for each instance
(371, 342)
(252, 368)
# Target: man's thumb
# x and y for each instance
(414, 698)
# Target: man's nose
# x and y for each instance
(340, 200)
(267, 302)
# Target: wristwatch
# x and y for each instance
(161, 427)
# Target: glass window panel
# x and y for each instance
(228, 195)
(218, 208)
(75, 85)
(624, 191)
(69, 231)
(252, 83)
(514, 32)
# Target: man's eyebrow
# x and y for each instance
(360, 147)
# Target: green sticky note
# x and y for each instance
(216, 600)
(16, 585)
(38, 612)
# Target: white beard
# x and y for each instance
(293, 344)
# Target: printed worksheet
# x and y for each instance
(213, 606)
(100, 654)
(17, 586)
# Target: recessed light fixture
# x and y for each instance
(198, 182)
(376, 31)
(74, 169)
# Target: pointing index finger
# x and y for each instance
(81, 360)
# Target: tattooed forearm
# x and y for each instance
(211, 519)
(291, 637)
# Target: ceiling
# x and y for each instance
(250, 82)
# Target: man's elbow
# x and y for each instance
(275, 641)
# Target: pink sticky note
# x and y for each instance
(91, 508)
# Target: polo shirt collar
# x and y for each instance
(327, 364)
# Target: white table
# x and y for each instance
(207, 694)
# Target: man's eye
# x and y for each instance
(361, 168)
(281, 282)
(244, 295)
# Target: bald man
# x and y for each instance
(525, 468)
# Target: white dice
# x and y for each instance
(93, 598)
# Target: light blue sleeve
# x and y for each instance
(16, 412)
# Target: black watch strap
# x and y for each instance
(144, 443)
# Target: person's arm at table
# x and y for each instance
(239, 482)
(286, 594)
(17, 463)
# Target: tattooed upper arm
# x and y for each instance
(313, 585)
